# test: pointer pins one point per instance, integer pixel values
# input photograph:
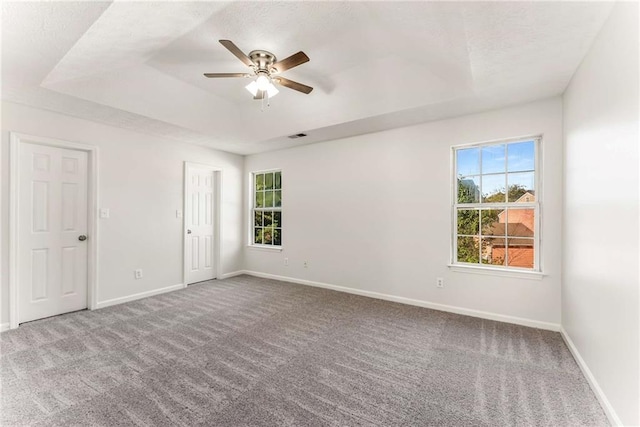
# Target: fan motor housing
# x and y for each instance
(264, 60)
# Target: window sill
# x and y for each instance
(492, 271)
(265, 248)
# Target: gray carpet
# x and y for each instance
(248, 351)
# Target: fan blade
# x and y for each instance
(215, 75)
(293, 85)
(290, 62)
(237, 52)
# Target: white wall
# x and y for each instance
(600, 270)
(141, 181)
(373, 213)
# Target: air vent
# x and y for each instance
(297, 135)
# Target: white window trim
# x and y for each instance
(252, 201)
(537, 270)
(266, 248)
(515, 272)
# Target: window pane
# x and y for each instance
(493, 159)
(503, 176)
(521, 187)
(260, 181)
(468, 221)
(267, 236)
(268, 199)
(521, 156)
(468, 162)
(493, 188)
(278, 179)
(493, 222)
(493, 250)
(257, 218)
(268, 181)
(268, 218)
(469, 189)
(520, 252)
(468, 250)
(267, 222)
(521, 222)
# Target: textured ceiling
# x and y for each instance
(374, 65)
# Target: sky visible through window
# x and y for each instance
(496, 172)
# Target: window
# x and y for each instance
(496, 205)
(267, 209)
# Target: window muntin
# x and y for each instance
(267, 209)
(496, 206)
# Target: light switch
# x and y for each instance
(178, 213)
(104, 213)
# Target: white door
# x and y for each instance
(199, 224)
(52, 228)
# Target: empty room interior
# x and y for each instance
(319, 213)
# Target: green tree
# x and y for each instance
(468, 191)
(515, 192)
(468, 222)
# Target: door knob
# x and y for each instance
(188, 231)
(82, 238)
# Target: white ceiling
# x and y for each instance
(374, 65)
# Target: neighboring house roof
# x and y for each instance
(517, 230)
(515, 242)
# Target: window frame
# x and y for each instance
(253, 209)
(536, 206)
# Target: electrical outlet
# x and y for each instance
(286, 262)
(137, 273)
(178, 214)
(104, 213)
(439, 282)
(306, 264)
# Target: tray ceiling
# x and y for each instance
(374, 65)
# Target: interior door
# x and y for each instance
(52, 226)
(199, 224)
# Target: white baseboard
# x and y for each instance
(232, 274)
(115, 301)
(602, 398)
(435, 306)
(4, 327)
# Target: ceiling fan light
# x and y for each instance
(263, 82)
(252, 88)
(272, 90)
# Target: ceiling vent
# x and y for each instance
(297, 135)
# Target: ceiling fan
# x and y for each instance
(266, 69)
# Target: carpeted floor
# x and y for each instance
(248, 351)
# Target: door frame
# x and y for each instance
(15, 141)
(217, 211)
